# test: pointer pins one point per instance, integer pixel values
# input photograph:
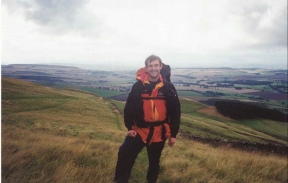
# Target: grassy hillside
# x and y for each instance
(200, 120)
(51, 135)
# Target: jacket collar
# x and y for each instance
(142, 74)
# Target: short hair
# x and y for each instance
(152, 58)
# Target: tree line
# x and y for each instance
(242, 110)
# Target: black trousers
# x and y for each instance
(128, 153)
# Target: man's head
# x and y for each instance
(153, 65)
(152, 58)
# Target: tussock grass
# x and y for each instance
(196, 162)
(41, 157)
(51, 135)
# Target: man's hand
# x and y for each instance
(132, 133)
(171, 141)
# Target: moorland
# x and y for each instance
(68, 128)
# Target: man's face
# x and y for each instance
(154, 68)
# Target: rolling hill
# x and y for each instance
(53, 135)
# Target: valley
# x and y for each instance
(267, 87)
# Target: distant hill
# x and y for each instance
(64, 135)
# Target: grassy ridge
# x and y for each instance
(51, 135)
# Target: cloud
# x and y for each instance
(56, 16)
(265, 22)
(181, 25)
(93, 30)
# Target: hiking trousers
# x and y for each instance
(128, 153)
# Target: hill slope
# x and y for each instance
(56, 132)
(51, 135)
(203, 121)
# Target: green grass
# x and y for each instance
(273, 128)
(203, 126)
(189, 94)
(102, 92)
(189, 107)
(206, 125)
(255, 87)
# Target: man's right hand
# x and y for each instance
(132, 133)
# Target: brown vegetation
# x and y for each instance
(212, 111)
(63, 136)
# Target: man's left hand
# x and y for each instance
(171, 141)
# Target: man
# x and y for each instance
(151, 115)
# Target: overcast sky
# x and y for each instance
(184, 33)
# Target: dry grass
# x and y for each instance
(212, 111)
(68, 136)
(196, 162)
(39, 157)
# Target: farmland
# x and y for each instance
(265, 86)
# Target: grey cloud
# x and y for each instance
(47, 12)
(254, 13)
(58, 16)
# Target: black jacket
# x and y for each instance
(133, 111)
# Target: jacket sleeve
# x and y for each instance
(128, 118)
(174, 110)
(133, 109)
